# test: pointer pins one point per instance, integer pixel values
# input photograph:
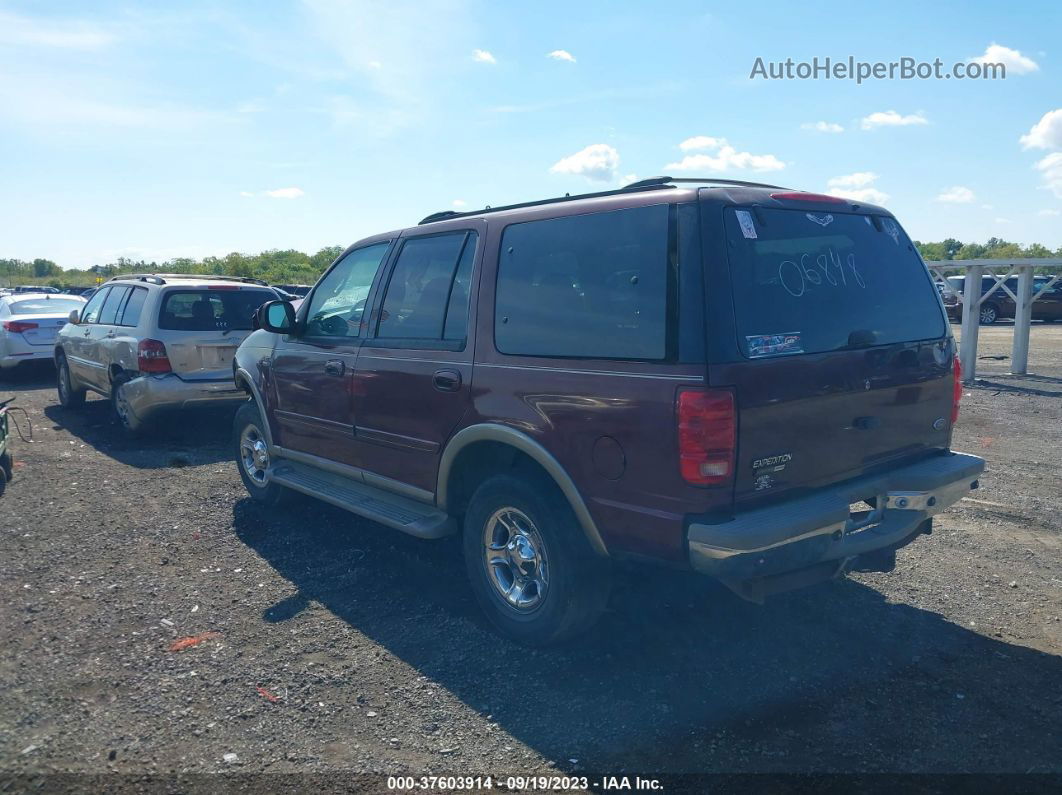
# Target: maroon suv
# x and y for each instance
(755, 383)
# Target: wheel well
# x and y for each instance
(479, 461)
(114, 371)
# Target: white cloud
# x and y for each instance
(1049, 213)
(822, 126)
(374, 65)
(62, 34)
(956, 195)
(890, 118)
(988, 206)
(725, 157)
(597, 162)
(1015, 62)
(561, 55)
(1051, 168)
(285, 193)
(701, 142)
(1046, 133)
(1001, 220)
(856, 180)
(858, 187)
(459, 203)
(246, 194)
(483, 56)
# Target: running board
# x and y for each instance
(401, 513)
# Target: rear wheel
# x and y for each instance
(123, 410)
(989, 315)
(69, 397)
(532, 570)
(253, 459)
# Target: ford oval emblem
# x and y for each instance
(938, 424)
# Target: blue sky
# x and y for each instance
(197, 128)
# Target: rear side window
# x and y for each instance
(110, 307)
(130, 315)
(814, 282)
(211, 309)
(588, 286)
(424, 300)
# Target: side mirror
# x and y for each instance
(75, 316)
(277, 317)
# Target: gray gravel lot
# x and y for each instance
(345, 648)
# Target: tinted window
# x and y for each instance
(212, 309)
(419, 290)
(41, 306)
(338, 301)
(131, 313)
(110, 306)
(456, 327)
(811, 282)
(591, 286)
(92, 308)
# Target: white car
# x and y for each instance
(29, 323)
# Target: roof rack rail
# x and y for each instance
(446, 215)
(650, 182)
(160, 278)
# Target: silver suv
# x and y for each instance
(151, 342)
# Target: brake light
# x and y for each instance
(956, 389)
(707, 436)
(18, 326)
(151, 357)
(800, 196)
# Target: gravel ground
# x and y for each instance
(345, 648)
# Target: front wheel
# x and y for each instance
(253, 458)
(989, 315)
(531, 568)
(69, 397)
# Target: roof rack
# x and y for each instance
(160, 278)
(650, 183)
(448, 214)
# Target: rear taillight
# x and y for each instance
(800, 196)
(707, 436)
(18, 326)
(956, 389)
(151, 357)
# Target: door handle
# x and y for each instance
(446, 380)
(87, 332)
(335, 367)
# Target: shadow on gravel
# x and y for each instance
(27, 377)
(1022, 385)
(681, 676)
(180, 439)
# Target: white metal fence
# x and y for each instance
(1000, 270)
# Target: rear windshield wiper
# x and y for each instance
(860, 338)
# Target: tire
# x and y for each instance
(988, 314)
(69, 398)
(252, 460)
(528, 530)
(123, 412)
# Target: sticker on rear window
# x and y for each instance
(891, 229)
(748, 226)
(823, 219)
(773, 344)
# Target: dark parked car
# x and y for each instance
(999, 305)
(755, 383)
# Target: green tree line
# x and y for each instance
(296, 267)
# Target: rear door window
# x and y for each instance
(585, 286)
(110, 307)
(130, 315)
(813, 282)
(212, 309)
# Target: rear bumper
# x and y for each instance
(150, 394)
(818, 529)
(12, 353)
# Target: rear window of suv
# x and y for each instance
(213, 309)
(813, 282)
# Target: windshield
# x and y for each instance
(218, 309)
(813, 282)
(46, 306)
